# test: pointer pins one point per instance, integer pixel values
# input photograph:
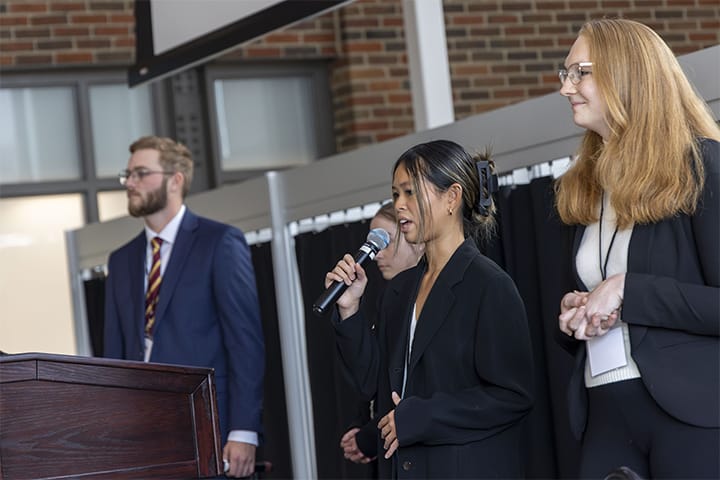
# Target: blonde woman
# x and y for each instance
(644, 193)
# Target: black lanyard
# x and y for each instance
(603, 265)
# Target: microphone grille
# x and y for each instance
(379, 237)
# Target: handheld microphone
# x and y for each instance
(377, 239)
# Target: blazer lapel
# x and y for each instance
(440, 301)
(136, 284)
(638, 261)
(180, 252)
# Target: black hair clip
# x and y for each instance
(488, 186)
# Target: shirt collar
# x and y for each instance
(168, 233)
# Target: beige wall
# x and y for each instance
(35, 303)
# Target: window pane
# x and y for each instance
(118, 116)
(112, 205)
(35, 299)
(265, 122)
(38, 135)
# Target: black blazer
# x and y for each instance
(672, 307)
(469, 376)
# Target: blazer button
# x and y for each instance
(407, 465)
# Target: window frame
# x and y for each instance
(316, 71)
(80, 81)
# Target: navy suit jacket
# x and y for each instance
(207, 314)
(672, 307)
(470, 374)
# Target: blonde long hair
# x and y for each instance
(650, 163)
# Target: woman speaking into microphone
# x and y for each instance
(450, 363)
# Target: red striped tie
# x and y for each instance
(153, 287)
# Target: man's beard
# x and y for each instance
(155, 201)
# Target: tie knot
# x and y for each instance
(156, 242)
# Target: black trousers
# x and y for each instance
(627, 428)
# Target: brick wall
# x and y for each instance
(53, 34)
(501, 52)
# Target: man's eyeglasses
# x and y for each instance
(575, 72)
(138, 174)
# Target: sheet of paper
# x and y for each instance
(607, 352)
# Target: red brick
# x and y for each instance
(468, 20)
(15, 7)
(71, 31)
(95, 18)
(48, 20)
(403, 98)
(361, 22)
(508, 94)
(121, 18)
(54, 44)
(106, 5)
(11, 20)
(124, 42)
(710, 24)
(503, 19)
(361, 73)
(32, 33)
(393, 22)
(538, 42)
(111, 30)
(263, 52)
(366, 100)
(16, 46)
(524, 30)
(6, 60)
(56, 6)
(387, 112)
(33, 59)
(74, 57)
(360, 47)
(385, 85)
(614, 4)
(93, 43)
(319, 37)
(470, 69)
(702, 37)
(281, 38)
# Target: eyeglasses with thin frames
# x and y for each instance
(138, 174)
(575, 72)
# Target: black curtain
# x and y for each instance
(275, 446)
(534, 247)
(95, 309)
(336, 405)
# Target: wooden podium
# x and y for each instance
(69, 417)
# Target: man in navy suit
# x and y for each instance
(205, 312)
